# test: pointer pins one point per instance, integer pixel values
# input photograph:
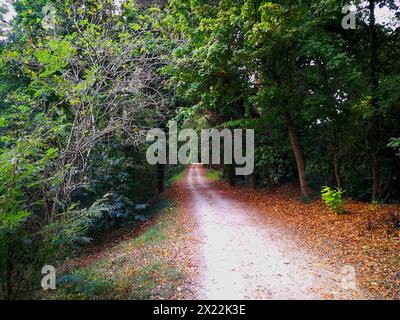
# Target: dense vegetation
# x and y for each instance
(78, 96)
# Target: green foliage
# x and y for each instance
(111, 211)
(85, 285)
(245, 63)
(333, 198)
(395, 144)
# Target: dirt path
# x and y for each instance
(240, 256)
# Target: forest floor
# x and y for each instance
(212, 241)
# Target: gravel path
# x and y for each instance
(239, 256)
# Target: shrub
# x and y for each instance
(110, 211)
(26, 246)
(84, 284)
(333, 198)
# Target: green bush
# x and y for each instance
(84, 284)
(333, 198)
(26, 246)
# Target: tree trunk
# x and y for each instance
(161, 177)
(337, 169)
(305, 188)
(254, 180)
(336, 163)
(268, 177)
(231, 174)
(375, 121)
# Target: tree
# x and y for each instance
(88, 93)
(272, 33)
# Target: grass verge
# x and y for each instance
(179, 175)
(214, 175)
(149, 265)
